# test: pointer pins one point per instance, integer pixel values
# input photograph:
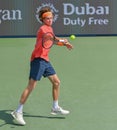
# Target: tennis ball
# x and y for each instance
(72, 37)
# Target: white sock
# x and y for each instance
(55, 104)
(20, 108)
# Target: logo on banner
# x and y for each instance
(54, 10)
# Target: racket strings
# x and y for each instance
(48, 40)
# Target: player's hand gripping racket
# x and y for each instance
(49, 39)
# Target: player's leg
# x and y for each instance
(36, 71)
(27, 91)
(18, 113)
(55, 86)
(55, 93)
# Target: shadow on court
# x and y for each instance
(48, 117)
(6, 117)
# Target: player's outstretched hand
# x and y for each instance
(68, 45)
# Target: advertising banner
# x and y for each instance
(20, 18)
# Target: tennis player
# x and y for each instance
(41, 66)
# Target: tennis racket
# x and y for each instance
(49, 39)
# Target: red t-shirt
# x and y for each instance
(39, 51)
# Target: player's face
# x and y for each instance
(48, 20)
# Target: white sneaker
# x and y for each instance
(18, 117)
(59, 110)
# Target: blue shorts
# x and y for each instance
(39, 67)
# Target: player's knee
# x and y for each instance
(56, 83)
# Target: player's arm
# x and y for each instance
(64, 42)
